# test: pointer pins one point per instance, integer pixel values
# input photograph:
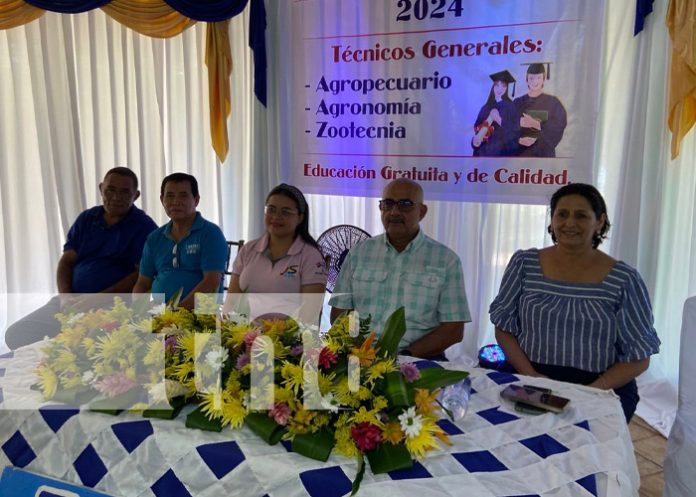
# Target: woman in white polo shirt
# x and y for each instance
(285, 260)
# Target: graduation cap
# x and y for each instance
(504, 76)
(539, 68)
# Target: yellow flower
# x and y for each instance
(233, 411)
(379, 369)
(392, 432)
(425, 401)
(426, 439)
(292, 376)
(47, 381)
(379, 403)
(301, 421)
(362, 415)
(344, 442)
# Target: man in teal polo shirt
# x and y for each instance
(188, 253)
(404, 267)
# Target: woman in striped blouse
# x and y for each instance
(571, 312)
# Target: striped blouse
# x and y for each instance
(587, 326)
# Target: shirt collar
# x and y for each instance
(412, 245)
(294, 249)
(197, 224)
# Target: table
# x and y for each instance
(495, 451)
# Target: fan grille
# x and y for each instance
(335, 243)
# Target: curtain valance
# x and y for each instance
(167, 18)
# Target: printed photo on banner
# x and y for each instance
(477, 102)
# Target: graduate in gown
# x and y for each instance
(542, 116)
(497, 126)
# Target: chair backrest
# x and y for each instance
(228, 268)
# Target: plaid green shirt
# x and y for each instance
(426, 278)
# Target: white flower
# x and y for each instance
(216, 357)
(162, 391)
(411, 423)
(158, 309)
(88, 376)
(74, 319)
(172, 330)
(329, 402)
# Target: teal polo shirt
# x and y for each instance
(204, 249)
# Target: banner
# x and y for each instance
(477, 101)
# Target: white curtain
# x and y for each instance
(81, 94)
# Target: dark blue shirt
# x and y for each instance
(106, 254)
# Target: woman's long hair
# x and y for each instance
(491, 94)
(293, 193)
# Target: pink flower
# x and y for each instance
(115, 384)
(170, 343)
(327, 358)
(410, 372)
(366, 436)
(110, 326)
(242, 361)
(280, 413)
(250, 337)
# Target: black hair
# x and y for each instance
(178, 178)
(491, 94)
(294, 194)
(123, 171)
(596, 201)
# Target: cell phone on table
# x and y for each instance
(534, 397)
(529, 409)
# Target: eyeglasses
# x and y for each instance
(284, 212)
(404, 204)
(175, 260)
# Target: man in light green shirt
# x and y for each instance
(404, 267)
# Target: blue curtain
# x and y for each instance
(68, 6)
(257, 42)
(208, 10)
(643, 8)
(200, 10)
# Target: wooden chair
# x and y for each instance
(228, 269)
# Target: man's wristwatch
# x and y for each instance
(406, 351)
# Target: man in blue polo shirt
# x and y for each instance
(101, 255)
(188, 253)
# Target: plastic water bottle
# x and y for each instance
(455, 398)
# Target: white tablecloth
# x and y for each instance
(495, 451)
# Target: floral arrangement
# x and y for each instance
(342, 391)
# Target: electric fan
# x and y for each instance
(335, 244)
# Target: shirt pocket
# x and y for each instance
(422, 291)
(369, 285)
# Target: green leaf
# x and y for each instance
(433, 378)
(74, 396)
(166, 411)
(314, 445)
(358, 477)
(174, 301)
(387, 457)
(118, 403)
(200, 421)
(395, 390)
(394, 330)
(270, 431)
